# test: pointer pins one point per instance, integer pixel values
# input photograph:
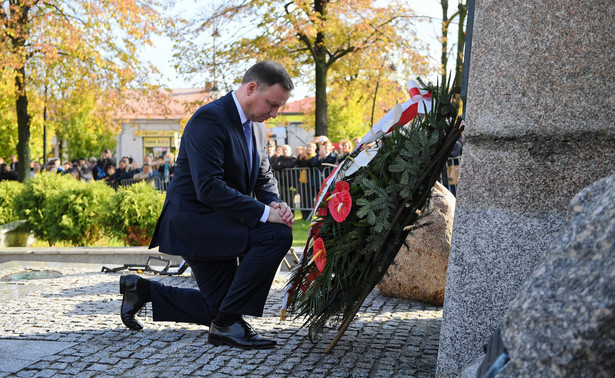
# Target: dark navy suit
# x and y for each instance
(210, 218)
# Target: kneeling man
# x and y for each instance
(223, 215)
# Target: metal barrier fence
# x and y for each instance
(156, 182)
(299, 187)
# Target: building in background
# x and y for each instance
(154, 125)
(289, 126)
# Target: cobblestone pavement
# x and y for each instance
(69, 325)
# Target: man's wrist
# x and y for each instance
(265, 215)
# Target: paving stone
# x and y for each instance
(389, 337)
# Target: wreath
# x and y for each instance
(367, 207)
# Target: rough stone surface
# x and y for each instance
(388, 338)
(419, 272)
(562, 322)
(537, 133)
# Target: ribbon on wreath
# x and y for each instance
(420, 102)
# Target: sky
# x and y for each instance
(428, 31)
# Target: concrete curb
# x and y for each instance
(88, 255)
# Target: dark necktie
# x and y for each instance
(247, 130)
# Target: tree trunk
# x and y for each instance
(321, 127)
(321, 68)
(461, 41)
(18, 37)
(445, 24)
(23, 126)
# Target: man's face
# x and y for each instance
(260, 106)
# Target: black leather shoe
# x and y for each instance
(239, 334)
(131, 303)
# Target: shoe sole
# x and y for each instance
(223, 341)
(122, 284)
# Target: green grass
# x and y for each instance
(300, 232)
(104, 242)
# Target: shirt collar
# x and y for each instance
(242, 115)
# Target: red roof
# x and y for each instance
(182, 103)
(299, 106)
(164, 104)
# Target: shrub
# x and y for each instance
(30, 203)
(135, 211)
(8, 191)
(75, 214)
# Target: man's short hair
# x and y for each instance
(268, 72)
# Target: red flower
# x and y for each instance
(320, 254)
(341, 186)
(340, 205)
(322, 212)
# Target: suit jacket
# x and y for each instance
(209, 205)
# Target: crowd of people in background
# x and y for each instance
(303, 171)
(314, 160)
(320, 151)
(8, 170)
(106, 168)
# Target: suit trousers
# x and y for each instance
(234, 286)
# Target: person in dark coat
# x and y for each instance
(221, 207)
(286, 176)
(6, 173)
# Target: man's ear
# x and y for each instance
(251, 88)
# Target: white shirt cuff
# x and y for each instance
(265, 214)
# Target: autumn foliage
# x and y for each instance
(58, 50)
(321, 42)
